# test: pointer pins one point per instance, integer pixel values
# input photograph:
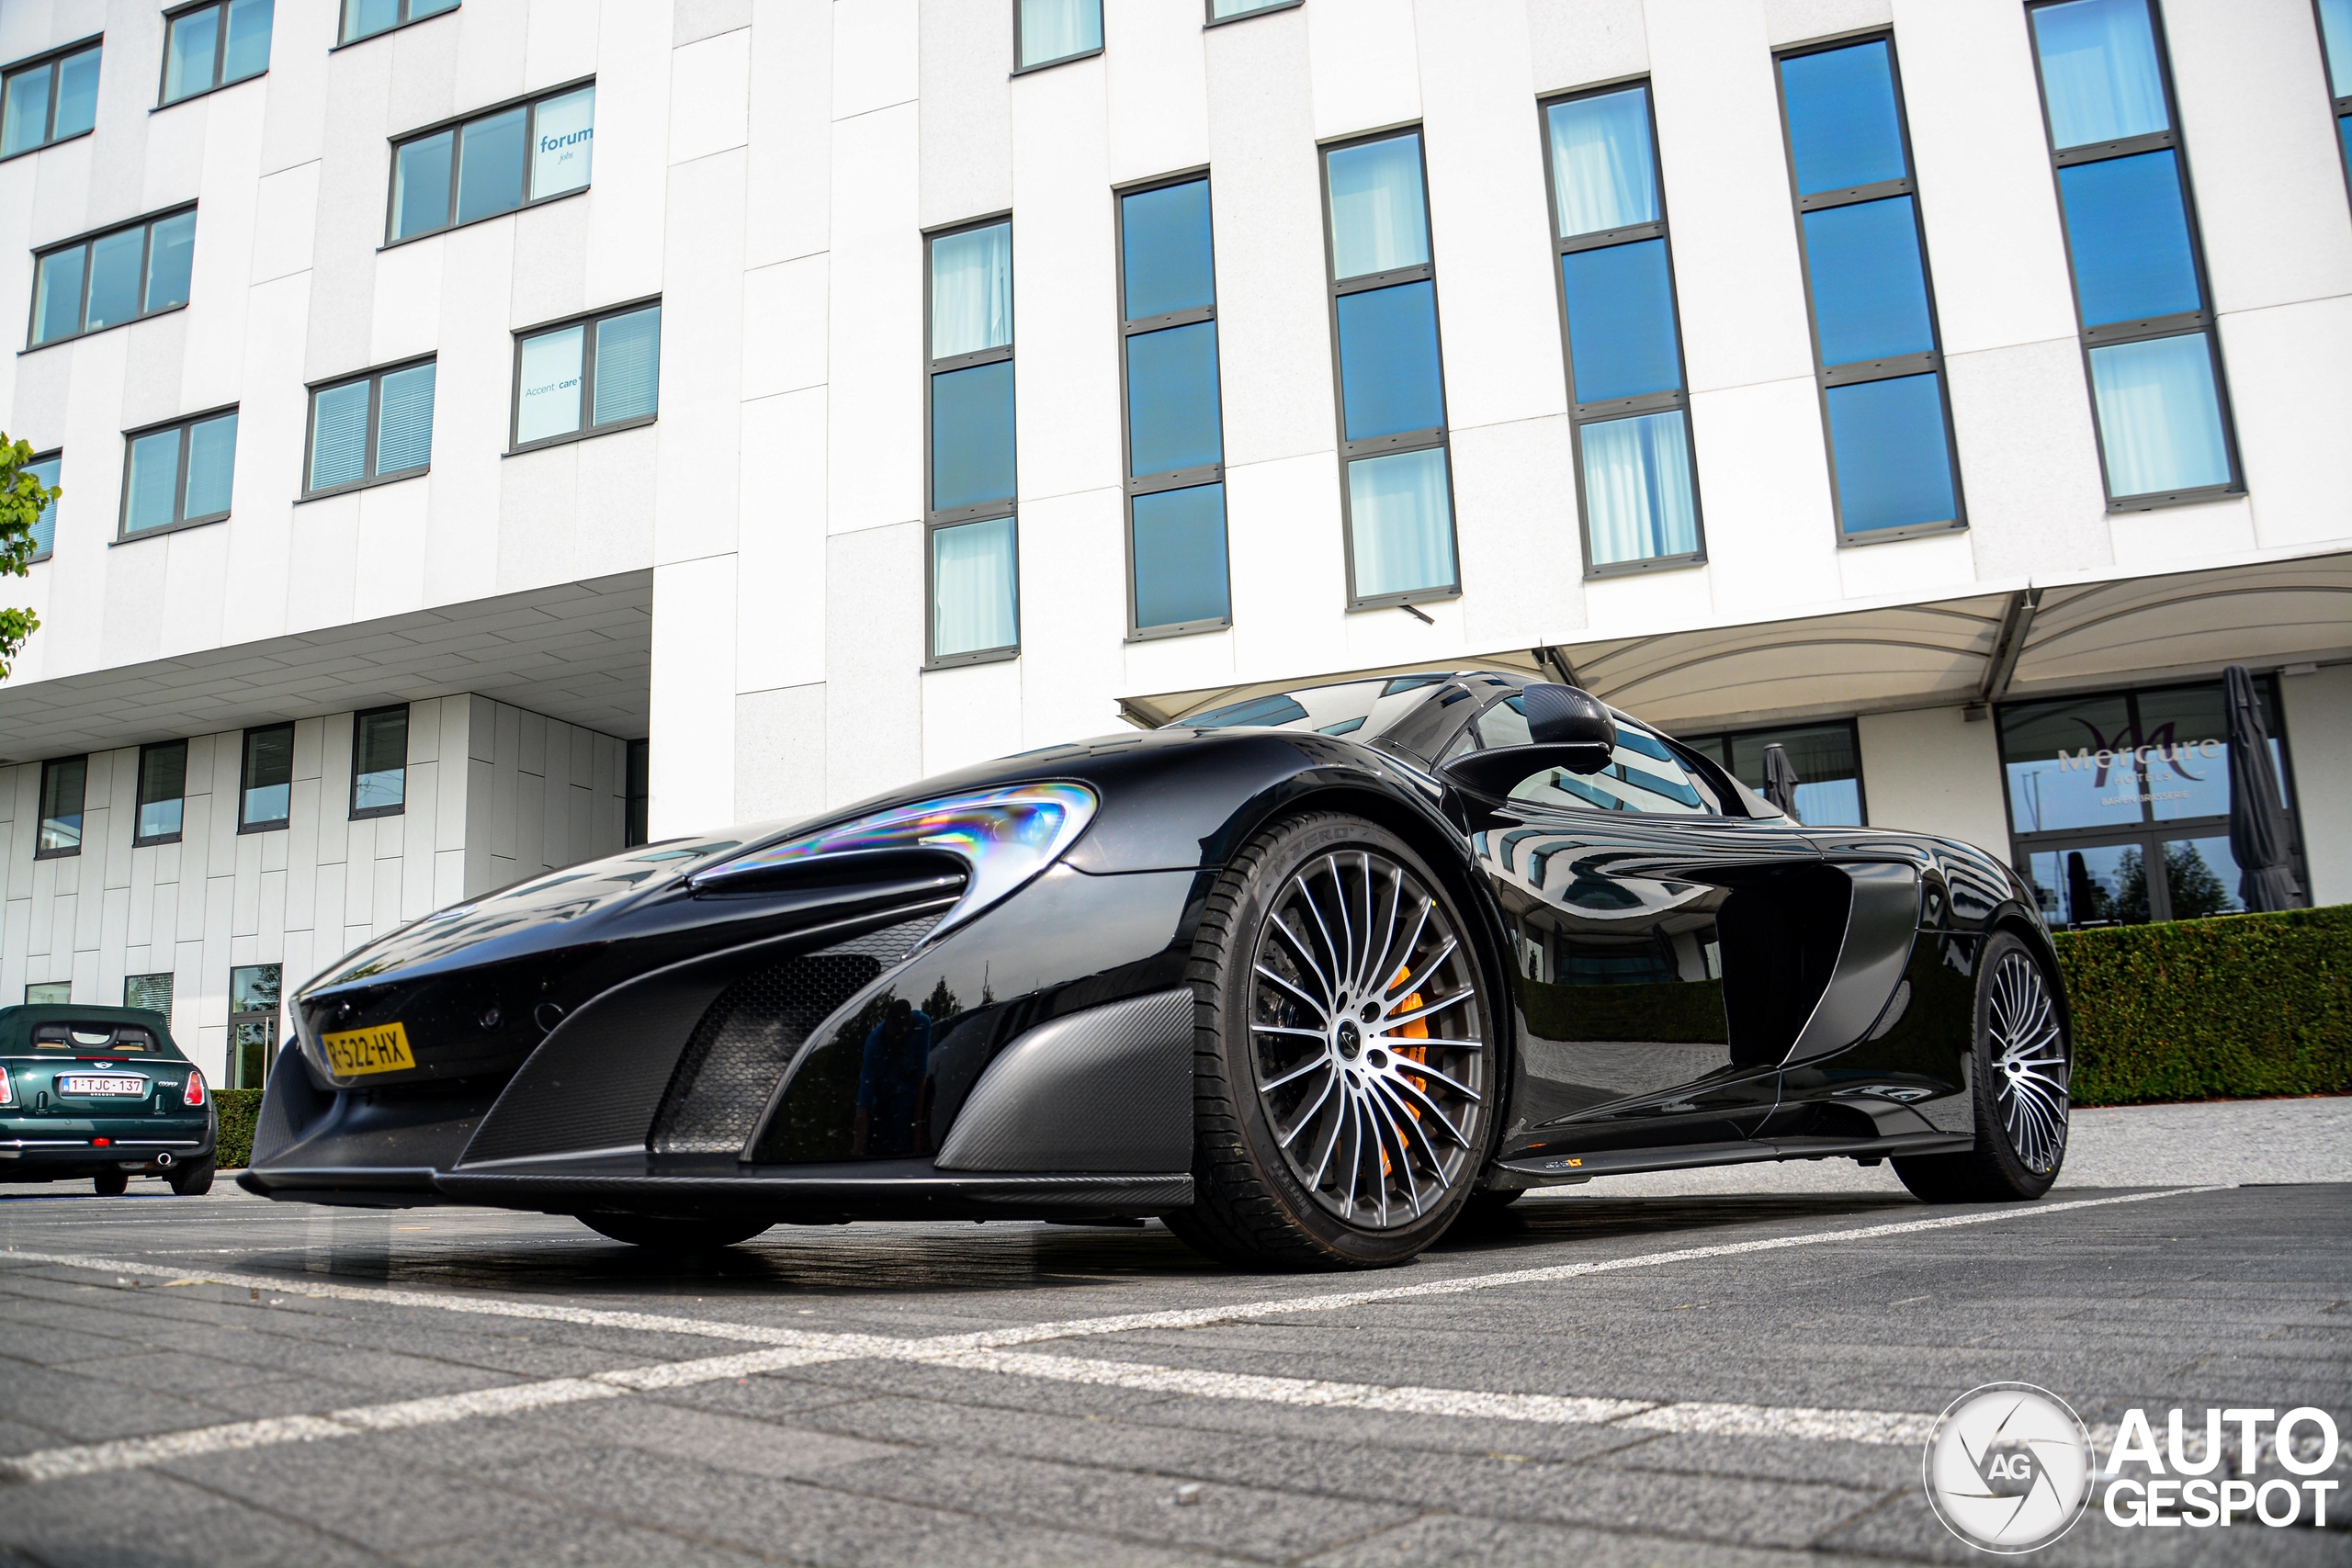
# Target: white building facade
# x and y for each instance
(492, 432)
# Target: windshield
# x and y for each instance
(1358, 709)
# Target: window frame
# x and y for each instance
(1021, 70)
(168, 977)
(528, 102)
(1441, 438)
(405, 21)
(1174, 479)
(1851, 725)
(593, 321)
(2340, 104)
(52, 57)
(40, 808)
(2205, 320)
(220, 54)
(39, 458)
(268, 1019)
(86, 240)
(139, 801)
(368, 478)
(184, 423)
(1845, 373)
(934, 519)
(1621, 408)
(353, 810)
(244, 782)
(1267, 9)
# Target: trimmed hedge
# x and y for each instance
(238, 1107)
(2234, 1007)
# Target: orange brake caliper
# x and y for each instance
(1417, 1029)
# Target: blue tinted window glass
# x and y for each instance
(2336, 27)
(489, 166)
(115, 260)
(971, 436)
(2129, 232)
(1388, 364)
(2344, 134)
(1621, 322)
(24, 112)
(1842, 126)
(1171, 399)
(188, 52)
(45, 527)
(57, 294)
(78, 94)
(420, 186)
(2159, 415)
(1180, 556)
(1870, 291)
(1168, 264)
(1886, 439)
(171, 258)
(247, 50)
(2099, 71)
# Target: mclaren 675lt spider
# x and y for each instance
(1307, 977)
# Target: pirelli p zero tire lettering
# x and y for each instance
(1343, 1062)
(2020, 1071)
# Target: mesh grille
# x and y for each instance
(743, 1043)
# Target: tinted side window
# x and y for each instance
(1644, 775)
(1505, 723)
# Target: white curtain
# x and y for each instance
(1402, 522)
(1055, 29)
(974, 602)
(1601, 170)
(1378, 218)
(2158, 416)
(971, 290)
(2099, 71)
(1638, 488)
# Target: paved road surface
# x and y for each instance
(1731, 1374)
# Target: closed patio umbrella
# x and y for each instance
(2258, 822)
(1780, 779)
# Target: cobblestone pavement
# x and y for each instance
(1722, 1376)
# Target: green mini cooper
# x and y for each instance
(101, 1092)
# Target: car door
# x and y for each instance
(1631, 897)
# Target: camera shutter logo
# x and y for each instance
(2008, 1468)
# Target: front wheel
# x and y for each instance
(675, 1236)
(2021, 1069)
(1343, 1067)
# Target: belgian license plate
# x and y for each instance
(76, 1083)
(357, 1052)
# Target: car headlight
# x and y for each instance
(1004, 837)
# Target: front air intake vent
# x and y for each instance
(747, 1038)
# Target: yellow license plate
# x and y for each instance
(383, 1049)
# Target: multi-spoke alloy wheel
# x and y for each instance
(2029, 1066)
(1345, 1072)
(1365, 1038)
(2020, 1069)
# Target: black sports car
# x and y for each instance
(1305, 976)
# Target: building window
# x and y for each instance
(2336, 41)
(1395, 493)
(1234, 10)
(152, 992)
(45, 468)
(179, 475)
(55, 993)
(971, 538)
(162, 792)
(211, 46)
(2138, 271)
(65, 781)
(1632, 424)
(1046, 32)
(1827, 758)
(2120, 802)
(493, 162)
(266, 785)
(639, 795)
(380, 762)
(47, 100)
(370, 430)
(253, 1024)
(1876, 352)
(586, 377)
(365, 19)
(104, 280)
(1176, 554)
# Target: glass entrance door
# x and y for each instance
(253, 1024)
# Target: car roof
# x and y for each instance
(17, 1023)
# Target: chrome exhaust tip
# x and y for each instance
(163, 1160)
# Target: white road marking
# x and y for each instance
(983, 1351)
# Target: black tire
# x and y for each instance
(192, 1180)
(1256, 1205)
(111, 1183)
(675, 1236)
(2022, 1063)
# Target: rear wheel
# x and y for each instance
(2022, 1068)
(111, 1183)
(1341, 1058)
(675, 1236)
(192, 1180)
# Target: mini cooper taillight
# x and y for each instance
(193, 1093)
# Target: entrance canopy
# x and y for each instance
(2012, 640)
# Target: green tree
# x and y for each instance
(23, 497)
